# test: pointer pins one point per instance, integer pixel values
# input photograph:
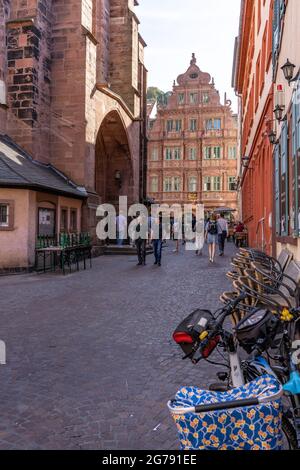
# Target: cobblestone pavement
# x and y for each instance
(90, 360)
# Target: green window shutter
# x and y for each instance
(277, 190)
(284, 181)
(295, 203)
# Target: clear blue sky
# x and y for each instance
(173, 29)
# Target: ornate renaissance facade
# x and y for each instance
(192, 147)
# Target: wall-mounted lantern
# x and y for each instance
(278, 111)
(288, 71)
(272, 137)
(118, 178)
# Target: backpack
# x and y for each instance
(212, 228)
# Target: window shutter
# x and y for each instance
(277, 191)
(295, 203)
(284, 181)
(276, 30)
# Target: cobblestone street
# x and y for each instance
(90, 360)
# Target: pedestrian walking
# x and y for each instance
(211, 236)
(223, 233)
(141, 239)
(121, 222)
(176, 230)
(157, 236)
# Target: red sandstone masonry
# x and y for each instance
(59, 54)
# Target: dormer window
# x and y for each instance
(193, 76)
(205, 98)
(193, 98)
(180, 98)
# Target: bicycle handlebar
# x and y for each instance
(253, 401)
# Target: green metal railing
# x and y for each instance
(64, 240)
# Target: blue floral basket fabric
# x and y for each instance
(249, 428)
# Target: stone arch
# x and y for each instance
(112, 158)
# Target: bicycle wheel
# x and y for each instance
(289, 435)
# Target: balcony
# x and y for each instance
(213, 133)
(221, 197)
(174, 135)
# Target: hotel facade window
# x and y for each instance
(213, 124)
(180, 98)
(178, 125)
(168, 154)
(193, 98)
(177, 154)
(168, 185)
(169, 125)
(231, 183)
(154, 154)
(205, 98)
(212, 153)
(177, 184)
(216, 183)
(207, 183)
(193, 125)
(172, 184)
(232, 153)
(193, 153)
(154, 184)
(192, 184)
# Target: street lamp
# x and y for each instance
(288, 71)
(278, 111)
(245, 162)
(118, 178)
(272, 137)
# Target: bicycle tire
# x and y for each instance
(290, 433)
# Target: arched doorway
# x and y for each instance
(113, 166)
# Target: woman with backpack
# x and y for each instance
(211, 236)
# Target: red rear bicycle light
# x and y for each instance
(213, 343)
(183, 338)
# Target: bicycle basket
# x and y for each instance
(246, 428)
(257, 329)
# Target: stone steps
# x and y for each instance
(123, 250)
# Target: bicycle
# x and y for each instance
(260, 330)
